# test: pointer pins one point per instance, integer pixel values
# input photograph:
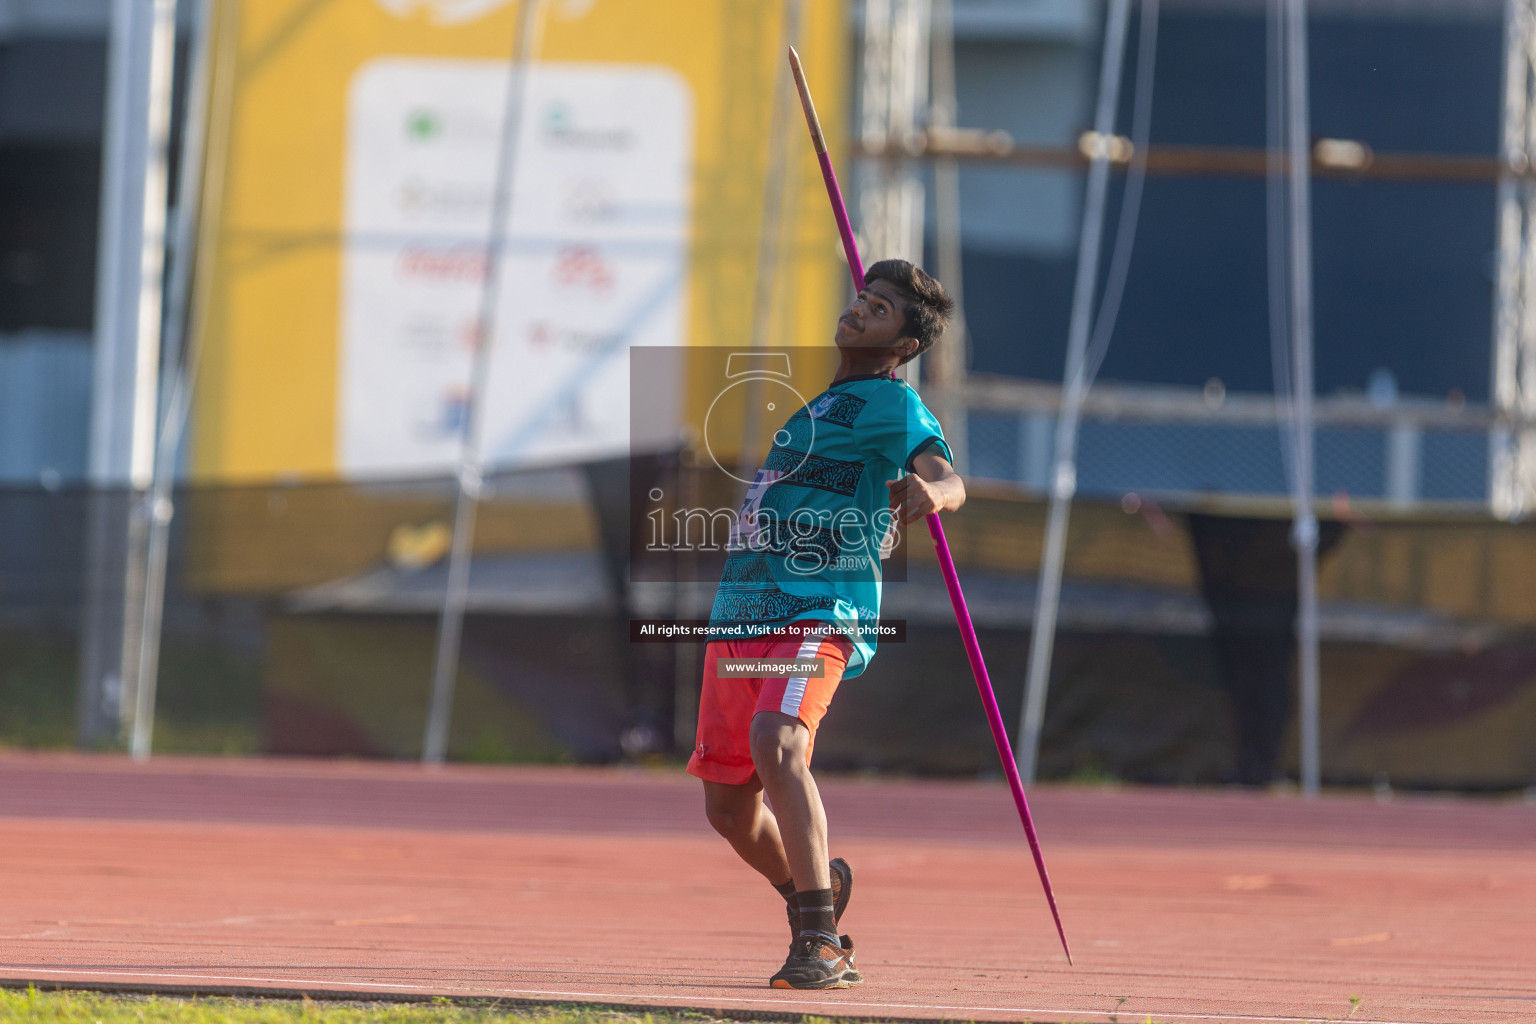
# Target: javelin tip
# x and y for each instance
(811, 120)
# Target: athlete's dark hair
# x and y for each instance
(928, 306)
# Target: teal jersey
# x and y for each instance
(816, 521)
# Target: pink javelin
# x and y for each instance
(941, 545)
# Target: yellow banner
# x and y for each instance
(351, 171)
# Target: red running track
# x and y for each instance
(607, 886)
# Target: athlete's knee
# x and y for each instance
(731, 810)
(728, 821)
(778, 742)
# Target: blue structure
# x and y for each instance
(1403, 271)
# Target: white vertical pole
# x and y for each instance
(177, 375)
(893, 91)
(950, 361)
(146, 370)
(1405, 448)
(778, 186)
(1074, 387)
(1305, 531)
(893, 94)
(120, 240)
(100, 706)
(471, 461)
(127, 323)
(161, 71)
(875, 127)
(1510, 479)
(909, 97)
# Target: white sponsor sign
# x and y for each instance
(592, 261)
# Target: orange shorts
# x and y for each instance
(728, 704)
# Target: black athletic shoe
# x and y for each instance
(842, 888)
(814, 962)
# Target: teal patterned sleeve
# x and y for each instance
(896, 426)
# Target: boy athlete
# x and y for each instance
(803, 573)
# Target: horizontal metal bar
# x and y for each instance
(1191, 161)
(1168, 404)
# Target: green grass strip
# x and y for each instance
(30, 1006)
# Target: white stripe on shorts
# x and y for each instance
(794, 689)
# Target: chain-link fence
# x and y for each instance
(1180, 442)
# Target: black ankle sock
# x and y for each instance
(815, 907)
(787, 890)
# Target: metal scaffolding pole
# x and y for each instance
(950, 360)
(892, 95)
(1289, 220)
(450, 631)
(1512, 449)
(1304, 534)
(1074, 387)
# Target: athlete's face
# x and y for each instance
(875, 320)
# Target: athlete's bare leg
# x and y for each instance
(738, 814)
(778, 751)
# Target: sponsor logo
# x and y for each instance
(590, 201)
(583, 266)
(462, 199)
(423, 124)
(544, 335)
(459, 263)
(562, 130)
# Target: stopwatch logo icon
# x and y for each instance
(761, 379)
